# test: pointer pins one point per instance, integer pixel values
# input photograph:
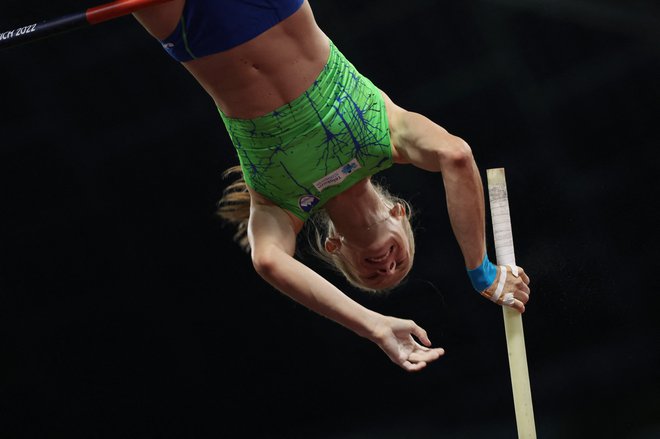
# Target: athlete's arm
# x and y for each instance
(423, 143)
(273, 239)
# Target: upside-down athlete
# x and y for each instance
(309, 132)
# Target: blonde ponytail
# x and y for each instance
(234, 206)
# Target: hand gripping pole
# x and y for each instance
(515, 338)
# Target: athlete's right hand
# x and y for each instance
(395, 337)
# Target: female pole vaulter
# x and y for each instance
(309, 132)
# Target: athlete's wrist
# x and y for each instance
(484, 275)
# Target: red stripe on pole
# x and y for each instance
(118, 8)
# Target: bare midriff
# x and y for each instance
(262, 74)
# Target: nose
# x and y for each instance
(388, 266)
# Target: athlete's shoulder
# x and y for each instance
(161, 20)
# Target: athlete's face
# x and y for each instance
(380, 255)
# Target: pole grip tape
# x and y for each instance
(508, 298)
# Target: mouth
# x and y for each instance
(381, 258)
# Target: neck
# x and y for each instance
(356, 209)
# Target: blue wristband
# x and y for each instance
(484, 275)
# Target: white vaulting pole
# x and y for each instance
(515, 338)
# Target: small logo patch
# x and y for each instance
(307, 202)
(337, 176)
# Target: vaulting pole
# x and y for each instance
(515, 338)
(48, 28)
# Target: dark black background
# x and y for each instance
(126, 311)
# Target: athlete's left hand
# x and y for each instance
(395, 337)
(511, 290)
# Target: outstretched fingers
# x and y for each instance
(413, 367)
(420, 333)
(408, 345)
(422, 354)
(426, 355)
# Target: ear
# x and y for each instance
(332, 245)
(398, 210)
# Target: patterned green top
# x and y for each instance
(332, 136)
